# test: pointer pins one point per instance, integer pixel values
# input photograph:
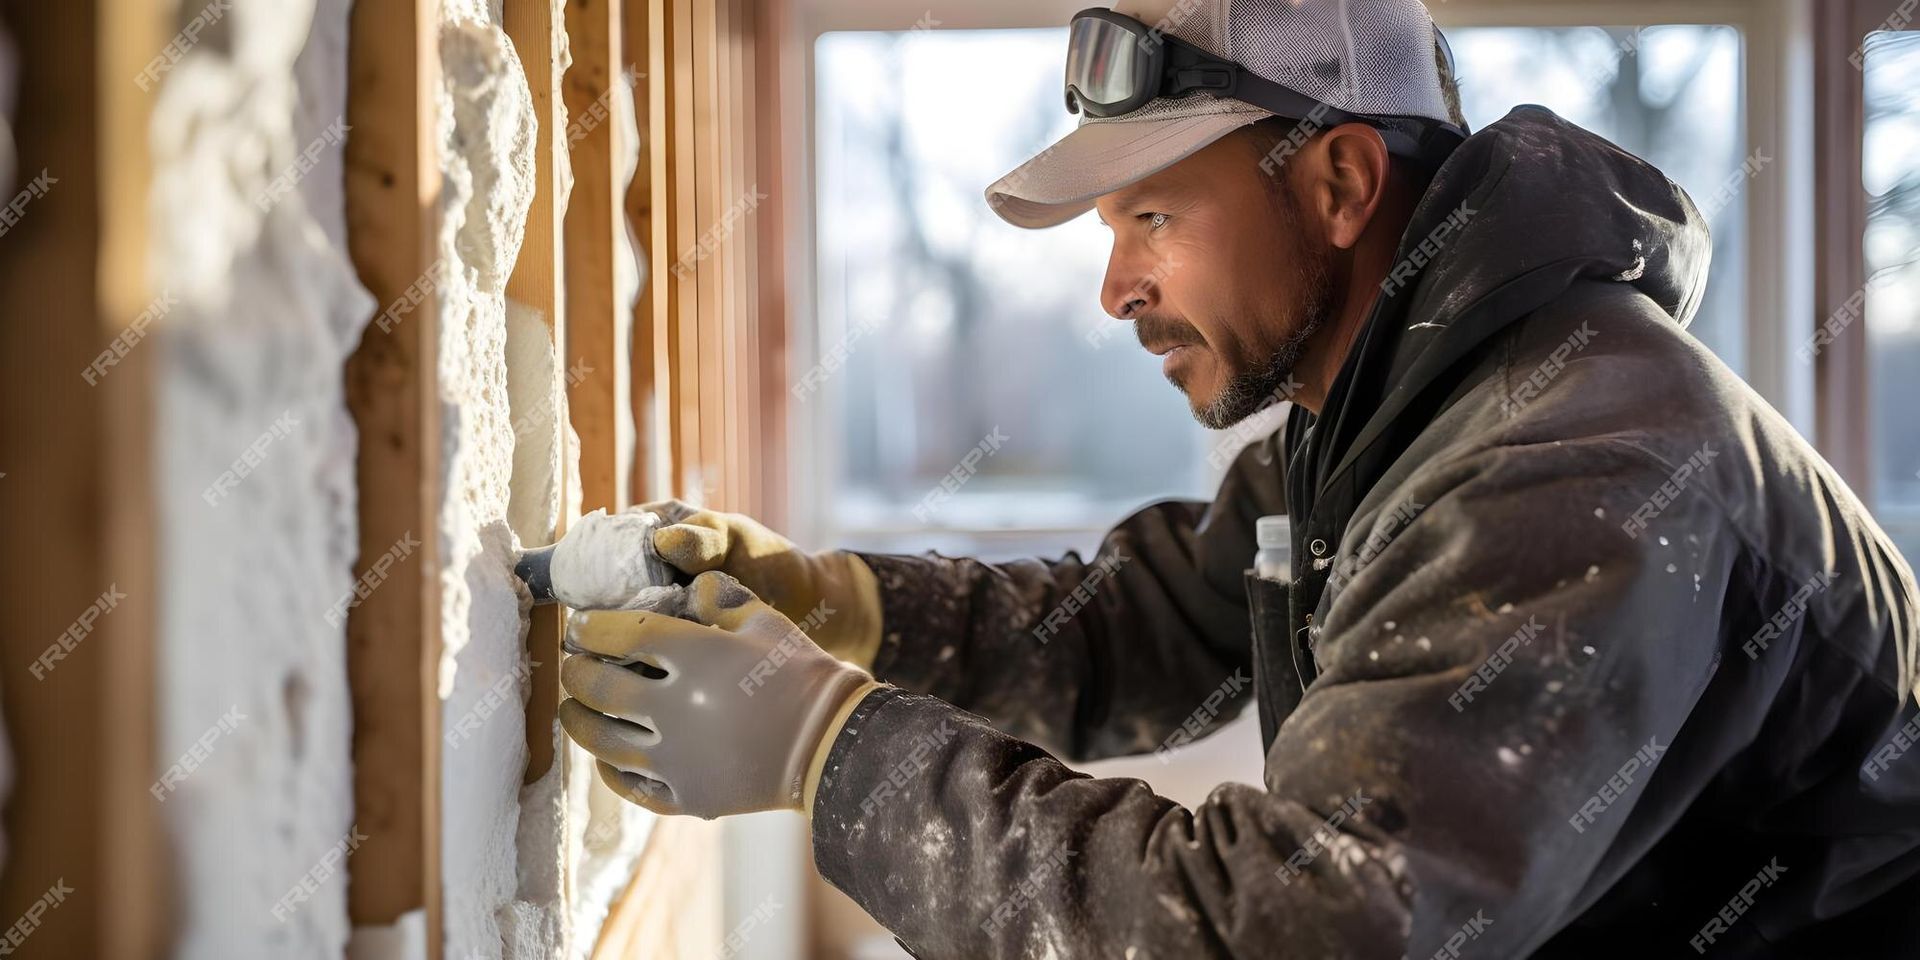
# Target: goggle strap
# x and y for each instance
(1186, 69)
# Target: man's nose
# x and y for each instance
(1131, 286)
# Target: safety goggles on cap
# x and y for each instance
(1116, 65)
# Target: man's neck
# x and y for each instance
(1321, 364)
(1372, 260)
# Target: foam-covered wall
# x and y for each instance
(495, 905)
(529, 869)
(258, 532)
(256, 500)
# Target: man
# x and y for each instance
(1586, 653)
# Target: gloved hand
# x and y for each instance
(733, 714)
(832, 595)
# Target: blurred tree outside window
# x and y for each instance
(1668, 94)
(1891, 170)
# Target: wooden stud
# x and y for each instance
(535, 283)
(709, 200)
(750, 445)
(1842, 404)
(648, 382)
(730, 223)
(78, 487)
(393, 636)
(679, 250)
(593, 227)
(770, 373)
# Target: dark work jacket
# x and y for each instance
(1587, 653)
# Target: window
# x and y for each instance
(1891, 174)
(1669, 94)
(962, 333)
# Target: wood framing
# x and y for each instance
(77, 487)
(674, 254)
(652, 377)
(1843, 368)
(707, 260)
(536, 282)
(775, 129)
(707, 195)
(700, 367)
(393, 636)
(77, 477)
(593, 228)
(693, 363)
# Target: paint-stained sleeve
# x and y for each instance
(1398, 818)
(1092, 657)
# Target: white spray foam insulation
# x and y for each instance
(608, 836)
(487, 153)
(255, 496)
(536, 401)
(404, 939)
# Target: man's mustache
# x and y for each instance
(1158, 331)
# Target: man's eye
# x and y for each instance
(1154, 220)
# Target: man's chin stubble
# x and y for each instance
(1251, 391)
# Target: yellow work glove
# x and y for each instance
(832, 595)
(732, 714)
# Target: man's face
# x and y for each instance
(1220, 276)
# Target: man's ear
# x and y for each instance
(1353, 172)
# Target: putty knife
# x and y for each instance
(535, 569)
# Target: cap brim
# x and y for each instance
(1062, 181)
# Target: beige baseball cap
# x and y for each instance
(1374, 58)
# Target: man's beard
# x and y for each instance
(1248, 392)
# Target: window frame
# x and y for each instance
(1844, 369)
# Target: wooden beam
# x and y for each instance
(393, 636)
(594, 225)
(704, 213)
(710, 198)
(678, 250)
(1842, 401)
(535, 282)
(84, 852)
(776, 133)
(750, 441)
(648, 380)
(730, 224)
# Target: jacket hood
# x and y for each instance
(1519, 213)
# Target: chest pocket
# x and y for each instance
(1282, 666)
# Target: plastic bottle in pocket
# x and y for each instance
(1274, 558)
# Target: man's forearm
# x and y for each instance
(1094, 657)
(968, 843)
(1090, 657)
